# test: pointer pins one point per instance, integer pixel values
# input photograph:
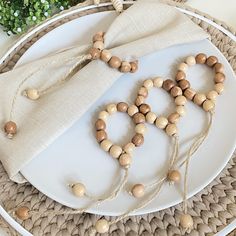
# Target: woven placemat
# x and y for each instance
(212, 209)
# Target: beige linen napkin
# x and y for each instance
(145, 27)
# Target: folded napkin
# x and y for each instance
(145, 27)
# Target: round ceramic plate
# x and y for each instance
(76, 157)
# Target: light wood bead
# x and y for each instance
(184, 84)
(98, 37)
(219, 78)
(122, 107)
(22, 213)
(106, 145)
(158, 82)
(115, 151)
(174, 176)
(201, 58)
(199, 98)
(111, 108)
(212, 95)
(101, 135)
(189, 93)
(148, 84)
(171, 129)
(106, 55)
(190, 61)
(183, 67)
(125, 67)
(10, 128)
(219, 87)
(101, 33)
(180, 76)
(186, 221)
(180, 100)
(176, 91)
(100, 125)
(129, 148)
(144, 108)
(95, 53)
(32, 94)
(151, 117)
(115, 62)
(219, 68)
(138, 140)
(102, 226)
(174, 118)
(161, 122)
(99, 45)
(78, 189)
(138, 190)
(181, 110)
(132, 110)
(140, 129)
(211, 61)
(138, 118)
(139, 100)
(125, 160)
(134, 66)
(168, 85)
(143, 92)
(208, 105)
(103, 115)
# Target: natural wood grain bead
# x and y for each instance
(132, 110)
(140, 129)
(115, 151)
(106, 145)
(98, 37)
(211, 61)
(95, 53)
(184, 84)
(174, 118)
(189, 93)
(22, 213)
(138, 190)
(103, 115)
(115, 62)
(106, 55)
(219, 87)
(148, 84)
(143, 92)
(32, 94)
(201, 58)
(181, 110)
(102, 226)
(138, 118)
(174, 176)
(111, 108)
(151, 117)
(183, 67)
(158, 82)
(122, 107)
(171, 129)
(199, 98)
(176, 91)
(10, 128)
(139, 100)
(99, 45)
(219, 78)
(212, 95)
(125, 67)
(161, 122)
(138, 140)
(100, 124)
(208, 105)
(180, 100)
(168, 85)
(190, 61)
(134, 66)
(180, 76)
(129, 148)
(219, 68)
(78, 189)
(125, 160)
(101, 135)
(101, 33)
(144, 108)
(186, 221)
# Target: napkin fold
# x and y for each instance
(145, 27)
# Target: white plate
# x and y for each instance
(75, 156)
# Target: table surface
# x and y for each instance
(220, 9)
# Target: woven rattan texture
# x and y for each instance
(212, 209)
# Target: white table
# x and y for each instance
(220, 9)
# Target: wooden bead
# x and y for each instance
(199, 98)
(212, 95)
(95, 53)
(143, 92)
(158, 82)
(180, 76)
(32, 94)
(183, 67)
(174, 118)
(100, 124)
(138, 118)
(201, 58)
(101, 135)
(10, 129)
(208, 105)
(176, 91)
(171, 129)
(111, 108)
(138, 140)
(181, 110)
(148, 84)
(103, 115)
(180, 100)
(78, 189)
(219, 68)
(125, 67)
(98, 37)
(151, 117)
(174, 176)
(140, 129)
(22, 213)
(138, 190)
(132, 110)
(219, 78)
(129, 148)
(186, 221)
(168, 85)
(115, 151)
(101, 33)
(125, 160)
(106, 145)
(122, 107)
(134, 66)
(189, 93)
(161, 122)
(219, 88)
(190, 61)
(102, 226)
(106, 55)
(115, 62)
(139, 100)
(211, 61)
(144, 109)
(184, 84)
(99, 45)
